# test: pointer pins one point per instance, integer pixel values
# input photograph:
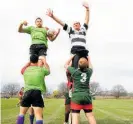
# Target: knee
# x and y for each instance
(39, 116)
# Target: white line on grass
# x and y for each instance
(113, 115)
(126, 111)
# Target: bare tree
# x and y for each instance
(11, 89)
(48, 92)
(62, 88)
(118, 90)
(95, 88)
(56, 94)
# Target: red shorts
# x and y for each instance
(75, 106)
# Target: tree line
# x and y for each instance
(11, 89)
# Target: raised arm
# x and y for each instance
(87, 13)
(89, 63)
(24, 68)
(45, 64)
(51, 14)
(69, 62)
(21, 29)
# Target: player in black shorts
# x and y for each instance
(39, 36)
(34, 75)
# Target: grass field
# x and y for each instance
(106, 112)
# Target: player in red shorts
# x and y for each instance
(81, 97)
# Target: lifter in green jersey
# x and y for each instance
(34, 77)
(39, 36)
(81, 97)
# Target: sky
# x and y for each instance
(109, 39)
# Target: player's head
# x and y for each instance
(83, 63)
(76, 25)
(34, 58)
(39, 22)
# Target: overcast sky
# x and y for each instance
(110, 39)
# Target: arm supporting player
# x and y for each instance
(45, 64)
(89, 63)
(68, 63)
(24, 68)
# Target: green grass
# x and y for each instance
(106, 111)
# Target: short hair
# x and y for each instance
(83, 63)
(77, 22)
(34, 58)
(38, 18)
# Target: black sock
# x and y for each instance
(66, 116)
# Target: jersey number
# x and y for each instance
(84, 77)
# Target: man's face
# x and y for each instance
(76, 25)
(39, 23)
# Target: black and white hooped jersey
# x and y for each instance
(77, 38)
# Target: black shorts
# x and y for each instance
(38, 49)
(80, 50)
(78, 111)
(32, 97)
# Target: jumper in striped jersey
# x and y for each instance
(77, 38)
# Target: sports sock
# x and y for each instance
(39, 122)
(31, 118)
(66, 116)
(20, 119)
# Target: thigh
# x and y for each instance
(75, 61)
(90, 118)
(23, 110)
(37, 100)
(75, 118)
(38, 111)
(34, 49)
(42, 50)
(26, 100)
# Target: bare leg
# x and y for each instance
(20, 119)
(23, 110)
(75, 118)
(38, 111)
(67, 112)
(90, 118)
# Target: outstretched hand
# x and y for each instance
(86, 5)
(49, 12)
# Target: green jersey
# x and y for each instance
(34, 78)
(38, 35)
(80, 79)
